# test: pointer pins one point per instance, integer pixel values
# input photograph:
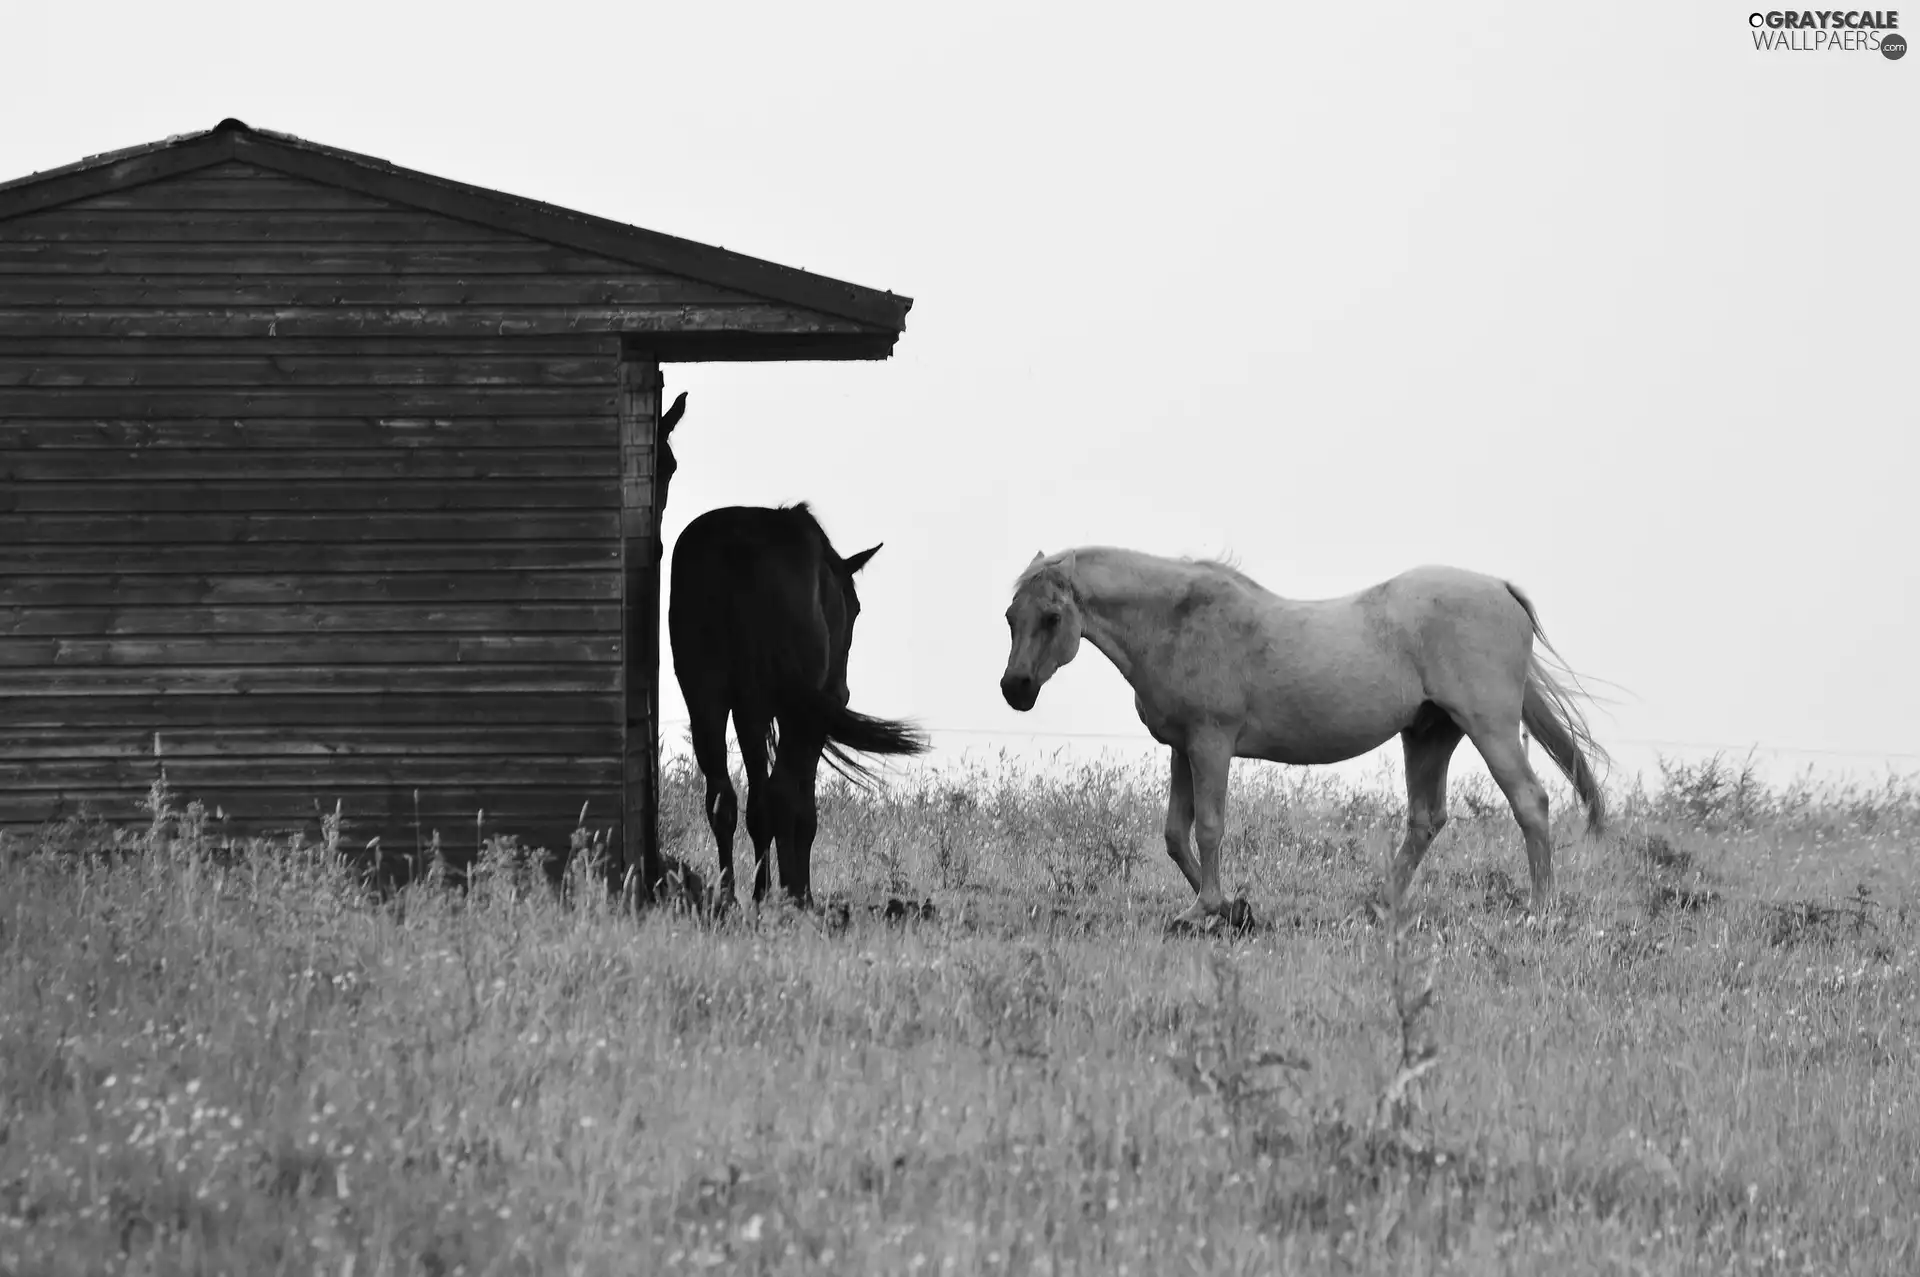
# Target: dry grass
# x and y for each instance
(226, 1060)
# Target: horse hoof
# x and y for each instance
(1239, 915)
(898, 910)
(1234, 915)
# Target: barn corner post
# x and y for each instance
(641, 383)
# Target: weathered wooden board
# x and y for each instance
(27, 745)
(287, 256)
(172, 706)
(152, 226)
(412, 321)
(253, 371)
(233, 190)
(373, 678)
(364, 352)
(310, 650)
(375, 621)
(170, 495)
(54, 402)
(480, 555)
(378, 470)
(254, 186)
(481, 773)
(584, 436)
(367, 806)
(24, 533)
(310, 590)
(415, 288)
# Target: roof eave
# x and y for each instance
(742, 347)
(133, 166)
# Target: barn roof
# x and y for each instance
(883, 314)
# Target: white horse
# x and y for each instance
(1222, 668)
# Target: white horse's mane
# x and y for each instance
(1062, 562)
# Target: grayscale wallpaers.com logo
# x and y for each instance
(1829, 31)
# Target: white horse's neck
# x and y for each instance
(1125, 599)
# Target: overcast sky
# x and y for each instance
(1599, 299)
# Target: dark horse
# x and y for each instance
(761, 620)
(666, 465)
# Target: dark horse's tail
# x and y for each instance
(1549, 714)
(813, 713)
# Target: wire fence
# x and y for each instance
(1141, 738)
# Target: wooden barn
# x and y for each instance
(342, 480)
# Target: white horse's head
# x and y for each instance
(1044, 622)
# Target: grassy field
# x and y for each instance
(220, 1060)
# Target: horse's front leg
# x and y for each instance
(1210, 759)
(1180, 819)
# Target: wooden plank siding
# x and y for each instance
(324, 491)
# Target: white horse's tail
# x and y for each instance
(1549, 714)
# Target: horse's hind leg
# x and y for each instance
(796, 772)
(1500, 746)
(1180, 818)
(723, 805)
(760, 798)
(1428, 743)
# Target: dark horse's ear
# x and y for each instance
(853, 563)
(672, 419)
